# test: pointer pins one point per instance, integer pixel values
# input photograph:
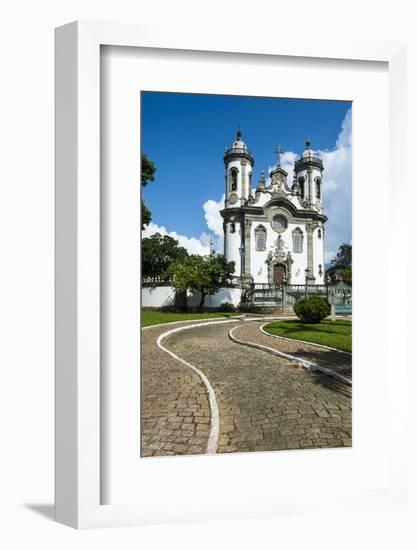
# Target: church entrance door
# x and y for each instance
(279, 273)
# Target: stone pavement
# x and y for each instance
(265, 403)
(340, 363)
(175, 416)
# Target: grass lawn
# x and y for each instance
(150, 318)
(336, 334)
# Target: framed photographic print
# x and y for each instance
(218, 317)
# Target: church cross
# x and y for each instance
(278, 152)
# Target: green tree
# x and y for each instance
(148, 170)
(205, 274)
(341, 264)
(346, 275)
(158, 254)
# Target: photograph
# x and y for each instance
(246, 274)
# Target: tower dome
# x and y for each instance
(308, 152)
(239, 143)
(238, 149)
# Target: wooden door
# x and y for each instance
(279, 273)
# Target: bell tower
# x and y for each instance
(238, 162)
(308, 172)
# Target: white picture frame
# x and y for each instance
(78, 294)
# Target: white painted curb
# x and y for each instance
(308, 365)
(305, 364)
(218, 319)
(261, 328)
(213, 439)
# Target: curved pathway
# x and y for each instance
(265, 402)
(175, 412)
(331, 360)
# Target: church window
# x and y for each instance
(318, 188)
(260, 238)
(279, 223)
(250, 180)
(319, 233)
(232, 227)
(233, 179)
(320, 270)
(301, 182)
(297, 240)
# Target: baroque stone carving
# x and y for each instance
(279, 256)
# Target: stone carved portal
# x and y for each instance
(280, 273)
(279, 263)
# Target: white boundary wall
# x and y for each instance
(164, 296)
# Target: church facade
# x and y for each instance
(274, 232)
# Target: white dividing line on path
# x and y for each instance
(213, 439)
(302, 362)
(308, 365)
(301, 341)
(235, 317)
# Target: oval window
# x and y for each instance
(279, 222)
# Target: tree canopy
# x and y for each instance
(148, 170)
(158, 254)
(341, 264)
(205, 274)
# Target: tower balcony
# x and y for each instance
(306, 161)
(238, 152)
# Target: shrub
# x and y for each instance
(244, 307)
(312, 309)
(227, 307)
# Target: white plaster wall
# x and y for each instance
(231, 295)
(242, 191)
(259, 268)
(233, 242)
(163, 296)
(159, 296)
(318, 251)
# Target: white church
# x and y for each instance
(274, 232)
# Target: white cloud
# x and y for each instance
(337, 187)
(215, 221)
(328, 256)
(337, 193)
(199, 246)
(287, 163)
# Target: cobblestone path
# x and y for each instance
(265, 402)
(340, 363)
(175, 416)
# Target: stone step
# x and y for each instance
(272, 310)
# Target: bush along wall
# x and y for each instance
(312, 309)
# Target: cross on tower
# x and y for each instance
(278, 152)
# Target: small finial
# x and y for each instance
(278, 152)
(308, 143)
(239, 132)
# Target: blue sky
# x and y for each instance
(185, 135)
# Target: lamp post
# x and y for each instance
(284, 293)
(307, 271)
(242, 260)
(327, 281)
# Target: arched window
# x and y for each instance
(233, 179)
(318, 188)
(319, 233)
(232, 227)
(260, 238)
(301, 184)
(250, 180)
(297, 240)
